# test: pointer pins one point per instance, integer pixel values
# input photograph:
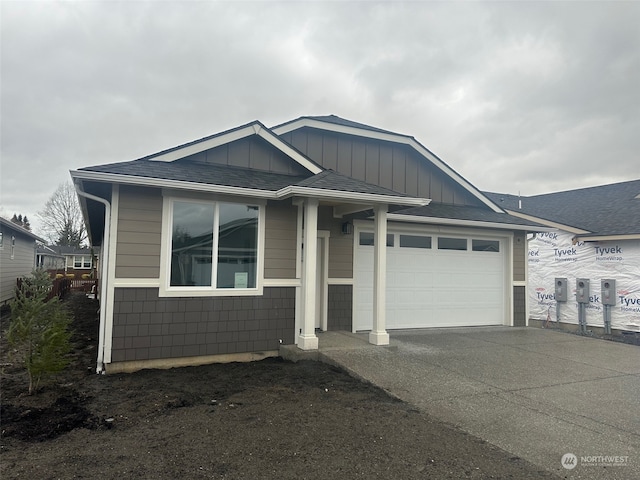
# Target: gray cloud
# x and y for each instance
(534, 97)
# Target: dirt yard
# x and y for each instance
(264, 420)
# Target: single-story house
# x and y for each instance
(227, 247)
(17, 256)
(47, 258)
(72, 261)
(596, 237)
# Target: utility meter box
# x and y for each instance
(608, 291)
(582, 290)
(561, 290)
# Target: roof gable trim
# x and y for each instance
(254, 128)
(389, 137)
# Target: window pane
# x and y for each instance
(485, 245)
(191, 244)
(446, 243)
(415, 241)
(366, 238)
(77, 262)
(237, 246)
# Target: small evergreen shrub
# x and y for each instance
(39, 329)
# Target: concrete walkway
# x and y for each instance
(538, 394)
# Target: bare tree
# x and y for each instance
(62, 218)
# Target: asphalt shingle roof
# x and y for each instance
(331, 180)
(198, 172)
(604, 210)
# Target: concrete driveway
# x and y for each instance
(538, 394)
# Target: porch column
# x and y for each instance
(378, 334)
(307, 339)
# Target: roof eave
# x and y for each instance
(174, 184)
(467, 223)
(607, 238)
(549, 223)
(372, 198)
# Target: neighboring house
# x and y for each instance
(49, 259)
(77, 261)
(597, 238)
(17, 256)
(226, 247)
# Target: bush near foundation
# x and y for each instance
(39, 329)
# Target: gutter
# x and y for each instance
(103, 280)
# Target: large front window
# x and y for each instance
(214, 245)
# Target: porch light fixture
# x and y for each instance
(347, 228)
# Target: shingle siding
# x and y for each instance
(519, 306)
(340, 307)
(147, 327)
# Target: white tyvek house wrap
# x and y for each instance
(554, 255)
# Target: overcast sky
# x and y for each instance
(529, 97)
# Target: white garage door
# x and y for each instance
(434, 280)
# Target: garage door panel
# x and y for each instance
(433, 288)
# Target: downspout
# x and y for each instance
(104, 275)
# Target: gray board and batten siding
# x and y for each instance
(391, 165)
(252, 152)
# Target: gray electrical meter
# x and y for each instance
(608, 291)
(582, 290)
(561, 289)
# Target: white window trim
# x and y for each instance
(166, 290)
(13, 247)
(82, 262)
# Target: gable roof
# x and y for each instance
(606, 212)
(20, 230)
(336, 124)
(228, 136)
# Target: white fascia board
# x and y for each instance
(465, 223)
(324, 194)
(173, 184)
(559, 226)
(390, 137)
(607, 238)
(203, 145)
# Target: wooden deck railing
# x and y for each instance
(62, 286)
